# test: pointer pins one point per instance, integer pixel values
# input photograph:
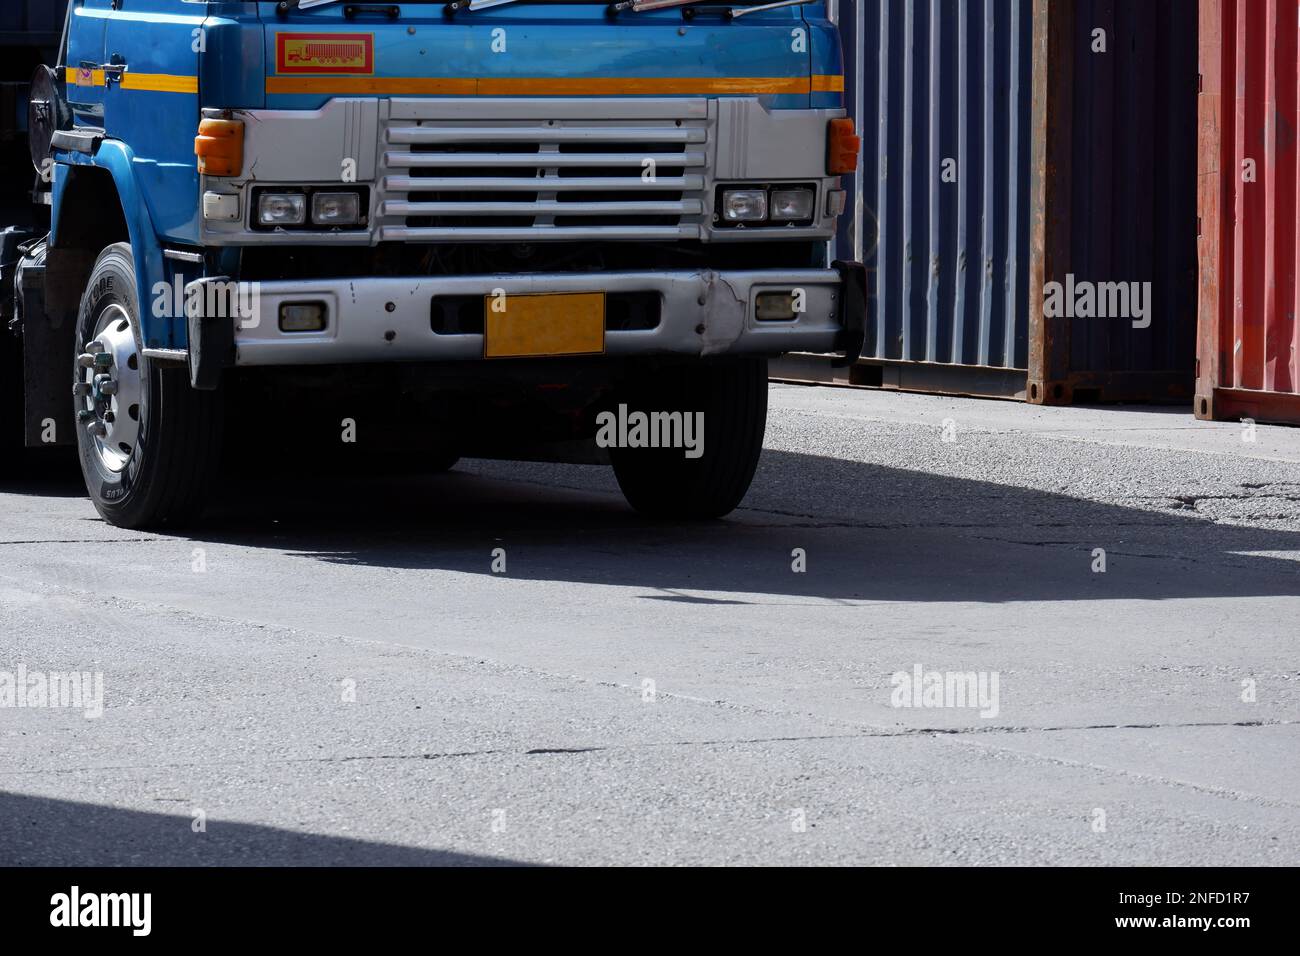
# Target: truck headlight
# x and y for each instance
(744, 205)
(792, 205)
(336, 209)
(282, 209)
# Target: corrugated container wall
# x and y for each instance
(1249, 343)
(941, 93)
(1013, 143)
(1117, 194)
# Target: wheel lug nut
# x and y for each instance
(85, 360)
(85, 416)
(97, 429)
(109, 417)
(95, 347)
(108, 388)
(80, 390)
(103, 360)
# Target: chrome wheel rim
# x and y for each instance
(109, 389)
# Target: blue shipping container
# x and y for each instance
(941, 91)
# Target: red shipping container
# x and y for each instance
(1248, 352)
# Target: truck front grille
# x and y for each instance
(532, 171)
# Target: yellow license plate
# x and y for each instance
(519, 326)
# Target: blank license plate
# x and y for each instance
(519, 326)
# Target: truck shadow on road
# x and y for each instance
(38, 831)
(44, 474)
(868, 532)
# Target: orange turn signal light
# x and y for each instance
(843, 144)
(220, 147)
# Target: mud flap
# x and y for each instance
(853, 312)
(211, 337)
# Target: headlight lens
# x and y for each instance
(336, 209)
(769, 206)
(744, 205)
(792, 205)
(282, 209)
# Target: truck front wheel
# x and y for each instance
(148, 443)
(707, 472)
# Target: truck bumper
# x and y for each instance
(698, 314)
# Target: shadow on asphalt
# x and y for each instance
(89, 835)
(44, 473)
(870, 532)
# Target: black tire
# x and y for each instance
(663, 482)
(165, 479)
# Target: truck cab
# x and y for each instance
(484, 227)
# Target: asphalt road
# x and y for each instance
(331, 673)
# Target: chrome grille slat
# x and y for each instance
(691, 160)
(536, 233)
(508, 184)
(416, 135)
(682, 208)
(518, 171)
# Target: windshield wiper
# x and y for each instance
(390, 10)
(636, 6)
(642, 6)
(473, 5)
(284, 6)
(735, 12)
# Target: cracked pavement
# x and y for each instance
(346, 681)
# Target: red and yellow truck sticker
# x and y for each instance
(336, 53)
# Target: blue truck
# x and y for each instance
(365, 232)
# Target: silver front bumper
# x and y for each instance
(390, 319)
